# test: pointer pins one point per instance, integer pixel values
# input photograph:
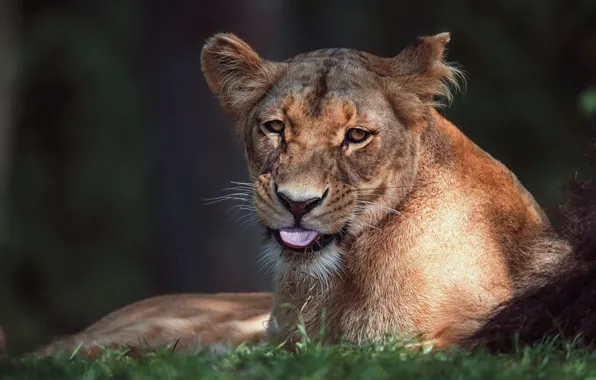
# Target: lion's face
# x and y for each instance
(319, 144)
(331, 136)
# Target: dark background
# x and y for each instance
(110, 139)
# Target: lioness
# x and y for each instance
(381, 217)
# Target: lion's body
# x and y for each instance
(417, 230)
(437, 267)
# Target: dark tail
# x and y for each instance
(566, 305)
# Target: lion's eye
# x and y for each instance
(273, 126)
(356, 135)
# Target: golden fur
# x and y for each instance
(181, 321)
(430, 233)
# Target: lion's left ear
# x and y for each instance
(420, 68)
(236, 73)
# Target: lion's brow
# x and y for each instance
(320, 90)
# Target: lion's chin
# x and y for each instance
(301, 240)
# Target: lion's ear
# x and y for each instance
(236, 73)
(422, 55)
(420, 68)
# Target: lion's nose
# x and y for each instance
(298, 206)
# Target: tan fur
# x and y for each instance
(182, 322)
(432, 232)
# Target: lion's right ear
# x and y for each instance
(236, 73)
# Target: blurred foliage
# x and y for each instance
(587, 102)
(80, 216)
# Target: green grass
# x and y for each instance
(390, 361)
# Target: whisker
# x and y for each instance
(210, 201)
(378, 206)
(248, 220)
(362, 224)
(248, 215)
(384, 187)
(242, 207)
(244, 195)
(243, 184)
(238, 189)
(362, 212)
(365, 224)
(360, 191)
(381, 195)
(369, 225)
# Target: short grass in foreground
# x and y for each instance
(390, 361)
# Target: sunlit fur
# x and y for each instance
(435, 233)
(182, 322)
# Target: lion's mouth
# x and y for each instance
(302, 240)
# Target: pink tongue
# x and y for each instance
(297, 237)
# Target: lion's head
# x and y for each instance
(331, 136)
